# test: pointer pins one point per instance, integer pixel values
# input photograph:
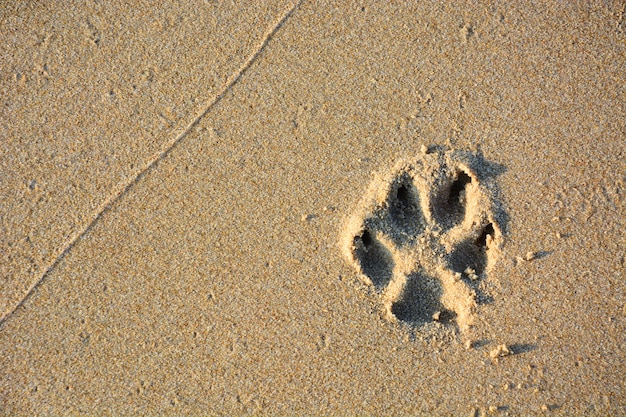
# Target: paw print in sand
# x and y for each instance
(425, 237)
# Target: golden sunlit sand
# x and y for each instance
(312, 208)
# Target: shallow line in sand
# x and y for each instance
(125, 188)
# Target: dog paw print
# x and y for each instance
(425, 236)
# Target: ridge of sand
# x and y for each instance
(121, 188)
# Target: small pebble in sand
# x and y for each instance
(530, 256)
(526, 258)
(468, 344)
(437, 316)
(471, 274)
(500, 351)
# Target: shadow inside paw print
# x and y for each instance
(426, 236)
(375, 259)
(404, 209)
(420, 301)
(449, 206)
(472, 253)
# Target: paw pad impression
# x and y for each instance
(425, 237)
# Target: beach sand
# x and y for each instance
(300, 208)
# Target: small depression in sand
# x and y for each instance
(426, 235)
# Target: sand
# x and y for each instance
(185, 191)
